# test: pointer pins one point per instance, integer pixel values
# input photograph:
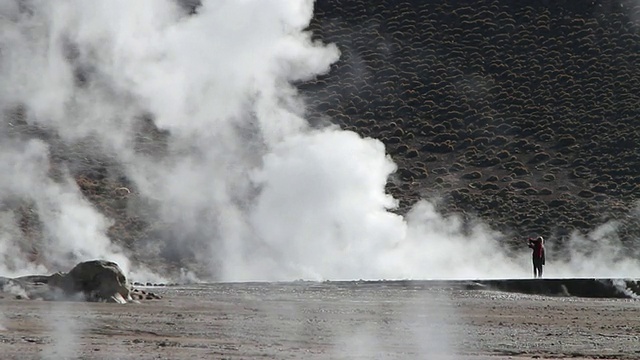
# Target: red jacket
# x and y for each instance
(538, 248)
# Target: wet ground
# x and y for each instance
(323, 321)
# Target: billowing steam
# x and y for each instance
(200, 113)
(73, 228)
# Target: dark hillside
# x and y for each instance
(525, 114)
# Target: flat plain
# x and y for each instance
(323, 321)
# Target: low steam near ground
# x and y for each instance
(65, 330)
(243, 181)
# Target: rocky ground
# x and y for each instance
(523, 114)
(323, 321)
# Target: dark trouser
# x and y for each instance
(537, 267)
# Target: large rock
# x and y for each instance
(96, 280)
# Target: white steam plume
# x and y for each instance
(239, 187)
(73, 229)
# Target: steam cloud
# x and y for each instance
(241, 187)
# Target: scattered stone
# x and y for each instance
(137, 294)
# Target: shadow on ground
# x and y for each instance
(570, 287)
(592, 288)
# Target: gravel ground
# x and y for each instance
(322, 321)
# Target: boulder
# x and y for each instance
(96, 280)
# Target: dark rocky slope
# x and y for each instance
(524, 114)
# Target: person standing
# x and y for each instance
(537, 245)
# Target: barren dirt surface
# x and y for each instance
(322, 321)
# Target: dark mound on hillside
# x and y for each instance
(524, 114)
(575, 287)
